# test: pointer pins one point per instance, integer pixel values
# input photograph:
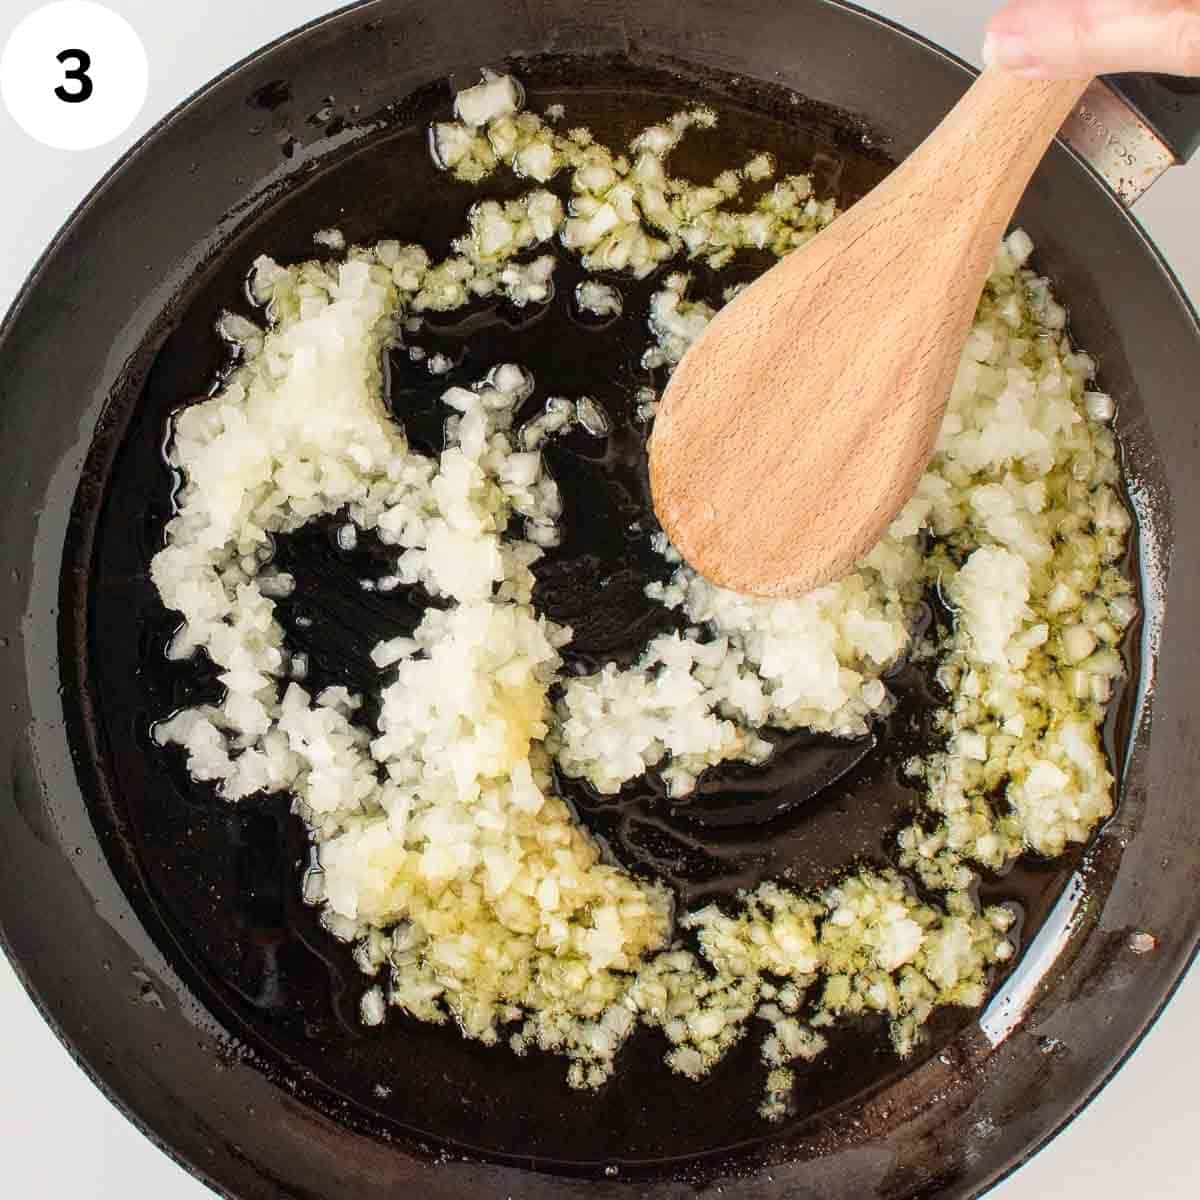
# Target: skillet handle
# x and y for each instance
(1170, 104)
(1131, 128)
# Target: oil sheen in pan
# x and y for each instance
(225, 880)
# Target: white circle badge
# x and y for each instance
(74, 75)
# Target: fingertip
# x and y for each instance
(1009, 19)
(1009, 51)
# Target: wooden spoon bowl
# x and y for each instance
(799, 424)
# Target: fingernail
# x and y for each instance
(1012, 51)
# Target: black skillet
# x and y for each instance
(160, 931)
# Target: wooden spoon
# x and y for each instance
(799, 424)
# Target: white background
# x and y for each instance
(60, 1137)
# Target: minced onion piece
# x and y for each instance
(332, 239)
(1099, 405)
(496, 96)
(592, 417)
(598, 299)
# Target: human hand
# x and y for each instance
(1077, 38)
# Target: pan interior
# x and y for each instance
(222, 883)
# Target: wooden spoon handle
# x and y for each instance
(989, 145)
(970, 173)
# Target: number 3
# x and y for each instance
(79, 74)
